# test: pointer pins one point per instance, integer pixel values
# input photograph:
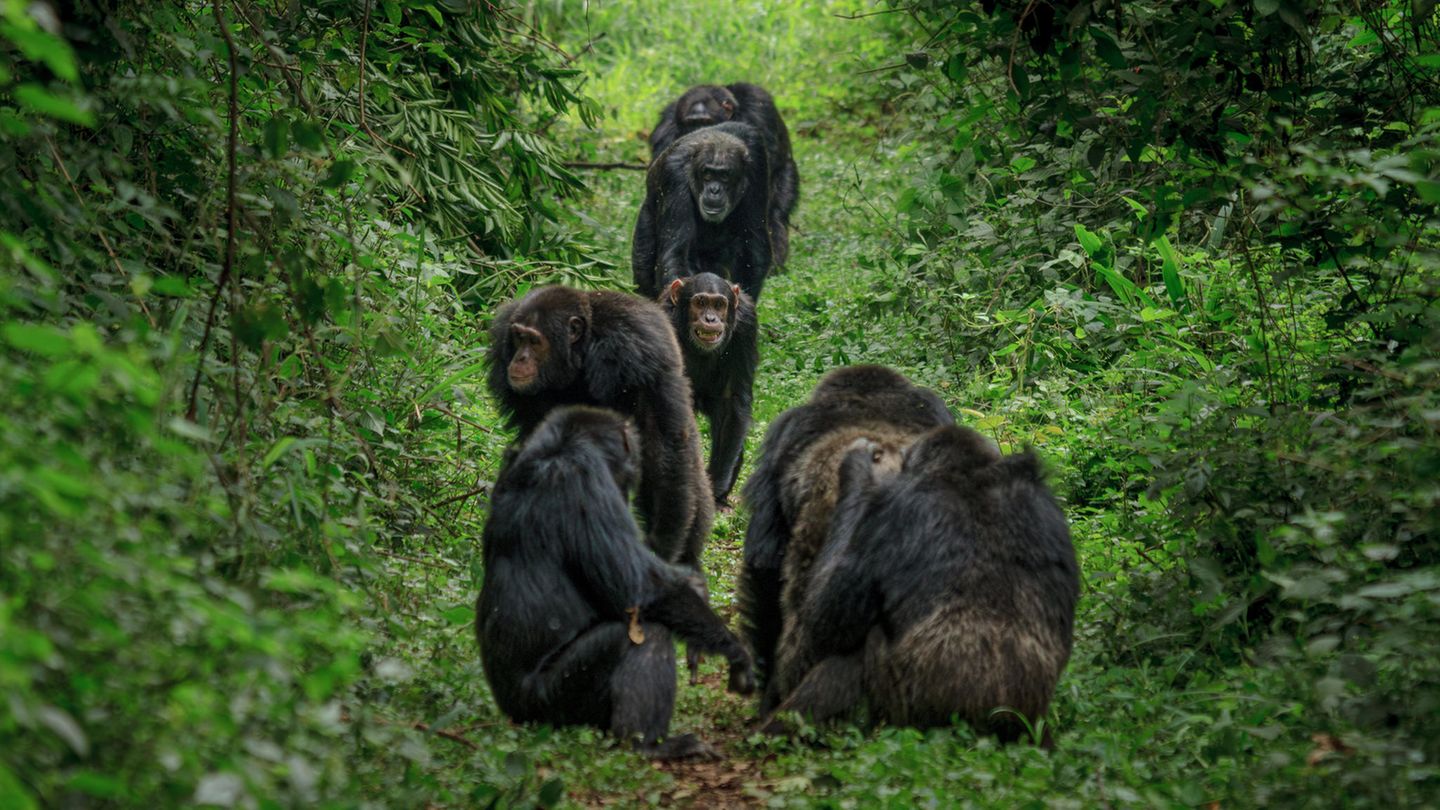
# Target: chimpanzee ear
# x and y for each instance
(675, 287)
(577, 328)
(735, 289)
(625, 436)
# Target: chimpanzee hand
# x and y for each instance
(742, 676)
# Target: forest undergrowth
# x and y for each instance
(250, 250)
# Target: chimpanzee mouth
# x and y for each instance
(708, 337)
(714, 214)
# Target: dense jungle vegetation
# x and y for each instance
(249, 250)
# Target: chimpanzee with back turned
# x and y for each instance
(575, 614)
(705, 211)
(559, 346)
(719, 339)
(709, 104)
(793, 490)
(946, 590)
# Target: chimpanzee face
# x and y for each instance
(541, 350)
(718, 180)
(705, 106)
(708, 313)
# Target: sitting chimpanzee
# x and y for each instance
(719, 336)
(792, 494)
(946, 590)
(709, 104)
(558, 346)
(705, 210)
(575, 614)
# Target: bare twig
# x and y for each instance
(1014, 44)
(442, 566)
(588, 46)
(634, 167)
(419, 726)
(862, 15)
(55, 152)
(446, 733)
(485, 487)
(458, 418)
(360, 87)
(231, 218)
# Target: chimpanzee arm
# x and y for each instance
(602, 551)
(642, 252)
(766, 539)
(730, 416)
(843, 601)
(728, 425)
(754, 262)
(665, 131)
(675, 226)
(679, 606)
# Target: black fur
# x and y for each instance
(947, 590)
(709, 104)
(722, 373)
(706, 209)
(798, 466)
(624, 357)
(564, 569)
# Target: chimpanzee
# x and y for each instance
(575, 614)
(946, 590)
(719, 339)
(791, 494)
(709, 104)
(705, 210)
(560, 346)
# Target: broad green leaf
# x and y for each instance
(278, 450)
(1089, 241)
(463, 613)
(42, 339)
(42, 101)
(1170, 272)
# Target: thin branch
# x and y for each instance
(446, 733)
(100, 232)
(485, 487)
(231, 217)
(588, 46)
(360, 89)
(418, 561)
(635, 167)
(457, 417)
(862, 15)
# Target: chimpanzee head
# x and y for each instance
(704, 105)
(703, 308)
(719, 169)
(596, 437)
(546, 328)
(950, 450)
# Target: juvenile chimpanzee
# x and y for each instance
(705, 210)
(559, 346)
(575, 614)
(947, 590)
(719, 339)
(709, 104)
(792, 492)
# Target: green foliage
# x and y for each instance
(1214, 225)
(1187, 250)
(216, 442)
